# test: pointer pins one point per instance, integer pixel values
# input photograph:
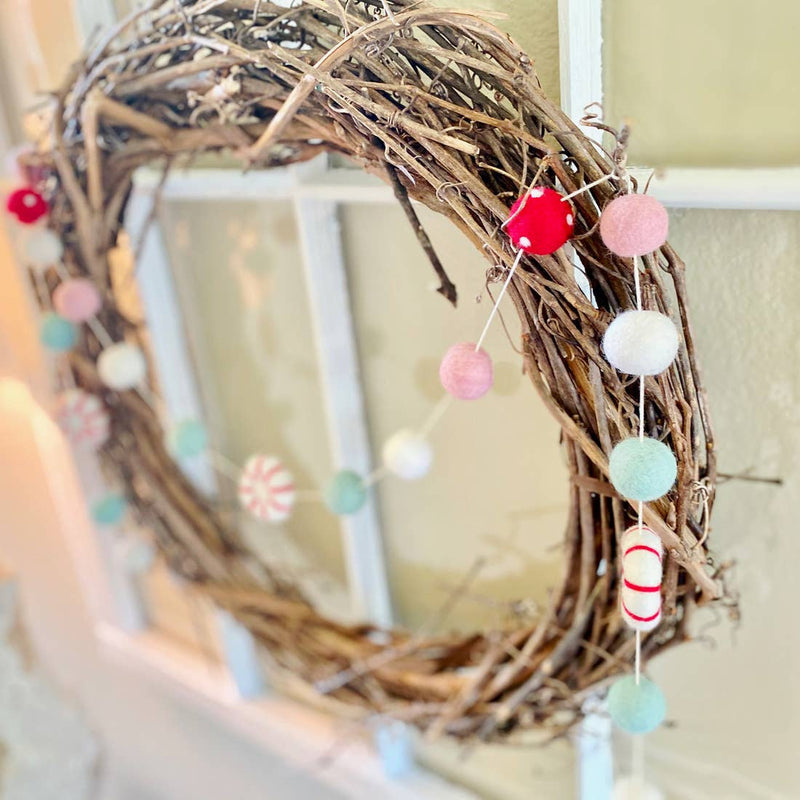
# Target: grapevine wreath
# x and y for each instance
(447, 110)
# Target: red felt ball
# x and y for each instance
(541, 221)
(27, 205)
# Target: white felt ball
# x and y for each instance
(43, 248)
(641, 342)
(121, 366)
(408, 455)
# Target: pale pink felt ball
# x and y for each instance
(634, 225)
(77, 299)
(466, 373)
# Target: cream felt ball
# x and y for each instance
(43, 248)
(636, 708)
(408, 455)
(640, 594)
(77, 299)
(641, 342)
(122, 366)
(634, 225)
(541, 221)
(466, 373)
(642, 469)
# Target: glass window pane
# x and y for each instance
(498, 488)
(704, 82)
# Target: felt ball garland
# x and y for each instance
(639, 342)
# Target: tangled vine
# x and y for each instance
(448, 110)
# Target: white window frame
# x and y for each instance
(233, 693)
(580, 24)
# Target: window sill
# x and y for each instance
(299, 736)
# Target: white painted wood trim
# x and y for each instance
(294, 733)
(772, 189)
(580, 41)
(180, 395)
(241, 657)
(326, 280)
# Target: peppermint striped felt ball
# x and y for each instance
(266, 488)
(640, 592)
(83, 418)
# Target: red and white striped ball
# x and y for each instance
(83, 418)
(266, 489)
(640, 593)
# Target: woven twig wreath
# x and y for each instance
(447, 109)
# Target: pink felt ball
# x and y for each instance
(634, 225)
(77, 299)
(466, 373)
(541, 221)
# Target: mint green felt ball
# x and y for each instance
(57, 333)
(642, 469)
(636, 708)
(109, 510)
(346, 493)
(188, 439)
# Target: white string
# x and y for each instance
(587, 187)
(637, 765)
(224, 465)
(435, 416)
(638, 658)
(100, 332)
(499, 298)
